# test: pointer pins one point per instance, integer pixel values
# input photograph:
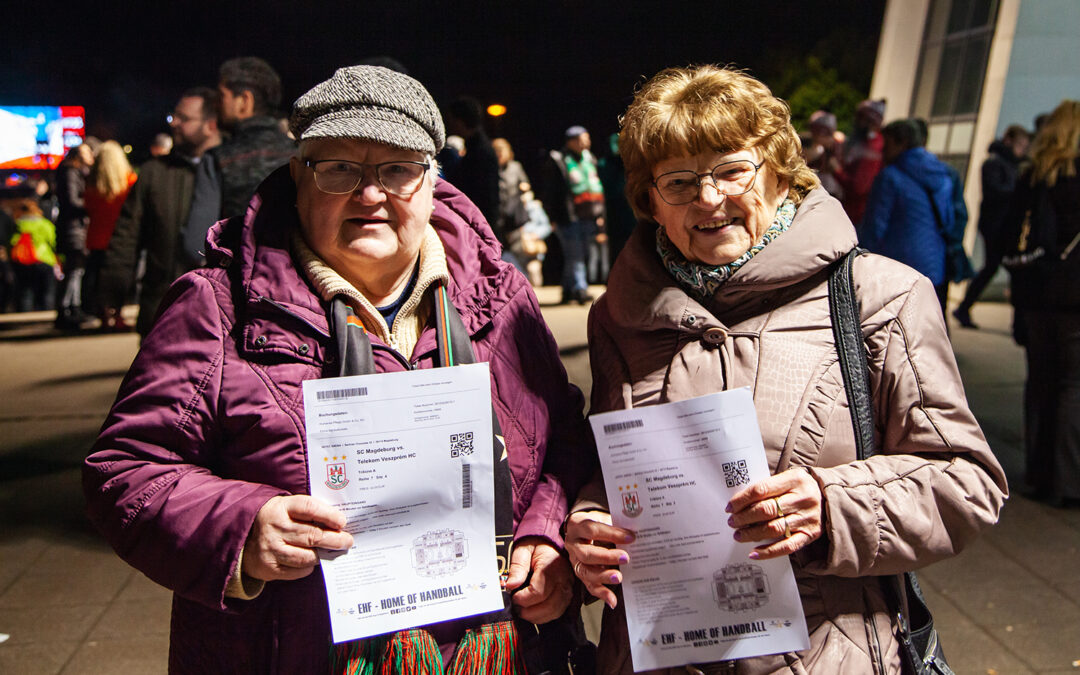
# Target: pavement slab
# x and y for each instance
(144, 655)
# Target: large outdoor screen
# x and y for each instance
(38, 136)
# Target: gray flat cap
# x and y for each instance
(370, 103)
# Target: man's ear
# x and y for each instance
(295, 167)
(246, 104)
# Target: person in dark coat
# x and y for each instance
(620, 217)
(157, 208)
(477, 174)
(1046, 297)
(250, 94)
(71, 234)
(999, 174)
(200, 477)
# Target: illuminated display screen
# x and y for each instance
(38, 137)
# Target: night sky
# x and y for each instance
(552, 64)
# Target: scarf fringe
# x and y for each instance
(491, 649)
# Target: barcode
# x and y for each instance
(623, 426)
(334, 394)
(466, 486)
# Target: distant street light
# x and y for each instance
(496, 110)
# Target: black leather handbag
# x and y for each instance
(920, 648)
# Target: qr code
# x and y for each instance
(735, 473)
(461, 444)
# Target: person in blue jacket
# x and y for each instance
(910, 215)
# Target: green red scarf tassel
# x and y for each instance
(491, 649)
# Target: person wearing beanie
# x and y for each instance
(823, 152)
(862, 157)
(355, 258)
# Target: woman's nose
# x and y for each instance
(709, 195)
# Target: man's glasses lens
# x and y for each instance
(730, 178)
(340, 177)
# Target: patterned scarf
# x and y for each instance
(494, 647)
(704, 280)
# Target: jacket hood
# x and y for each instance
(643, 295)
(922, 167)
(1004, 152)
(257, 246)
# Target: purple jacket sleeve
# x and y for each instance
(150, 479)
(567, 456)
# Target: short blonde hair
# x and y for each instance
(1057, 145)
(686, 111)
(111, 171)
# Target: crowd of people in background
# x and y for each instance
(97, 234)
(81, 225)
(909, 205)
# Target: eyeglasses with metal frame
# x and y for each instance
(340, 176)
(731, 179)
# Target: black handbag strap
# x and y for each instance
(847, 333)
(903, 593)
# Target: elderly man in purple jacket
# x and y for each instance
(199, 478)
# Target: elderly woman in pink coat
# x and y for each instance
(724, 285)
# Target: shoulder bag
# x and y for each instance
(1037, 237)
(920, 649)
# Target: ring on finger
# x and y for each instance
(787, 528)
(779, 510)
(577, 569)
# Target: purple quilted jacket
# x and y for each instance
(209, 424)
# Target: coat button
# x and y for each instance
(691, 320)
(260, 341)
(714, 336)
(304, 349)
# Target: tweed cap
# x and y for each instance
(370, 103)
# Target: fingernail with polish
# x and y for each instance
(727, 509)
(615, 577)
(731, 521)
(754, 555)
(738, 535)
(623, 559)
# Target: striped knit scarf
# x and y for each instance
(704, 280)
(492, 647)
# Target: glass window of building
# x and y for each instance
(952, 67)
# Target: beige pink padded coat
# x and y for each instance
(935, 484)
